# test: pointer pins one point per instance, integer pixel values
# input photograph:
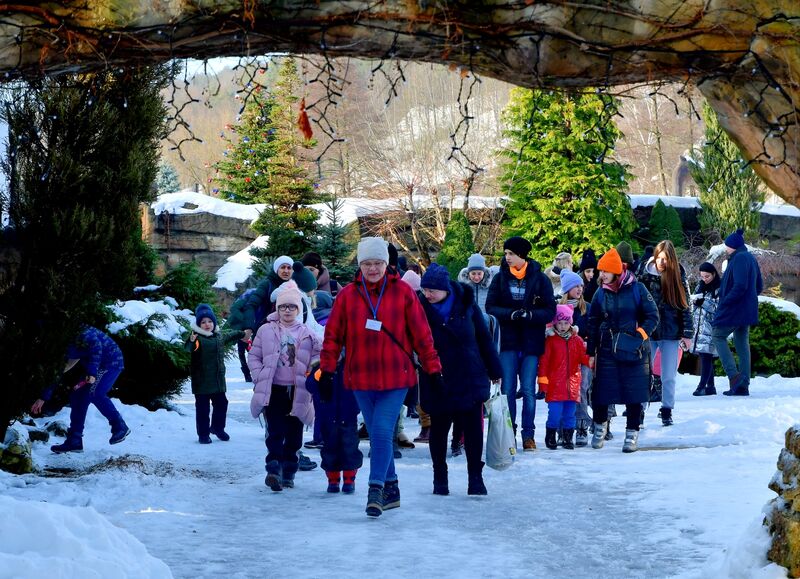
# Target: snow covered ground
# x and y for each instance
(689, 504)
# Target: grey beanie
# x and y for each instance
(476, 261)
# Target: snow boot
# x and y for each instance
(550, 438)
(424, 435)
(582, 434)
(568, 438)
(204, 439)
(375, 501)
(71, 444)
(273, 480)
(631, 441)
(119, 433)
(599, 436)
(391, 495)
(287, 474)
(560, 437)
(666, 416)
(609, 435)
(440, 483)
(476, 486)
(221, 434)
(334, 478)
(711, 391)
(349, 484)
(304, 463)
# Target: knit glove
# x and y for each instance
(325, 385)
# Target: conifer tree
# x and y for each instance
(565, 191)
(731, 193)
(167, 180)
(332, 243)
(665, 223)
(458, 245)
(266, 165)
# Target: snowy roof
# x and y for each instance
(693, 202)
(176, 203)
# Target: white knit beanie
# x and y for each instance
(373, 248)
(289, 294)
(282, 260)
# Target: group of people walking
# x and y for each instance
(589, 336)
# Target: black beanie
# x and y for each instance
(313, 259)
(708, 268)
(588, 261)
(519, 245)
(392, 255)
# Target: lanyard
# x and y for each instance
(369, 299)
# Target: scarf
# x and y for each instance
(444, 307)
(566, 334)
(518, 273)
(627, 278)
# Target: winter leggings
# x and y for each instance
(472, 423)
(202, 403)
(669, 368)
(633, 414)
(706, 371)
(561, 414)
(380, 409)
(96, 394)
(284, 432)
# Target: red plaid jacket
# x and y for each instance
(373, 360)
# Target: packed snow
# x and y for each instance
(689, 504)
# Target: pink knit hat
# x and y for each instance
(563, 313)
(412, 278)
(290, 294)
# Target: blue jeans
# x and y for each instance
(380, 409)
(741, 340)
(561, 414)
(96, 394)
(669, 368)
(517, 364)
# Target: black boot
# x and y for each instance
(440, 486)
(288, 470)
(568, 432)
(273, 480)
(550, 438)
(476, 485)
(699, 391)
(666, 416)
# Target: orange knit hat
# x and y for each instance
(610, 262)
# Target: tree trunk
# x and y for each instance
(743, 54)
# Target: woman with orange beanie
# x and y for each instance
(621, 318)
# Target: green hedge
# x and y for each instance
(774, 345)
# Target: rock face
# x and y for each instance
(205, 238)
(784, 517)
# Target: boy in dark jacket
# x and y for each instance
(207, 346)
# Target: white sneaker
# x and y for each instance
(631, 441)
(599, 436)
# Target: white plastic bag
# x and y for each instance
(501, 444)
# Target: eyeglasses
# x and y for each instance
(287, 307)
(372, 264)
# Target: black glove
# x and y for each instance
(436, 381)
(520, 315)
(699, 302)
(326, 387)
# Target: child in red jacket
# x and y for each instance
(560, 376)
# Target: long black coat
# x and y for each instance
(468, 355)
(620, 382)
(526, 336)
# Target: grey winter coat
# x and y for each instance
(481, 290)
(705, 306)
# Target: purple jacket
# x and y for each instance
(263, 360)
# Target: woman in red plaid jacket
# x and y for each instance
(380, 323)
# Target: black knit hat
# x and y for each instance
(588, 261)
(392, 255)
(313, 259)
(519, 245)
(708, 268)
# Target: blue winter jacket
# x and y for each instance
(96, 351)
(738, 291)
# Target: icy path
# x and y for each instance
(204, 510)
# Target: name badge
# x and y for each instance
(374, 325)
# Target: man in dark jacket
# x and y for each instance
(521, 298)
(736, 312)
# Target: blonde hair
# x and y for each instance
(580, 303)
(563, 260)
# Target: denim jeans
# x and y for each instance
(96, 394)
(669, 368)
(561, 414)
(741, 341)
(380, 409)
(517, 364)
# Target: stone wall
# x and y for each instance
(783, 517)
(205, 238)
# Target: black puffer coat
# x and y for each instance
(673, 324)
(618, 382)
(469, 358)
(526, 336)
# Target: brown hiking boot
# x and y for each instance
(528, 444)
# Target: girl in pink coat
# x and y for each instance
(282, 352)
(560, 376)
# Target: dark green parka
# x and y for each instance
(208, 359)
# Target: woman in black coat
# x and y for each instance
(622, 314)
(469, 359)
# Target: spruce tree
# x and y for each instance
(167, 180)
(731, 193)
(266, 165)
(332, 243)
(665, 223)
(565, 191)
(458, 245)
